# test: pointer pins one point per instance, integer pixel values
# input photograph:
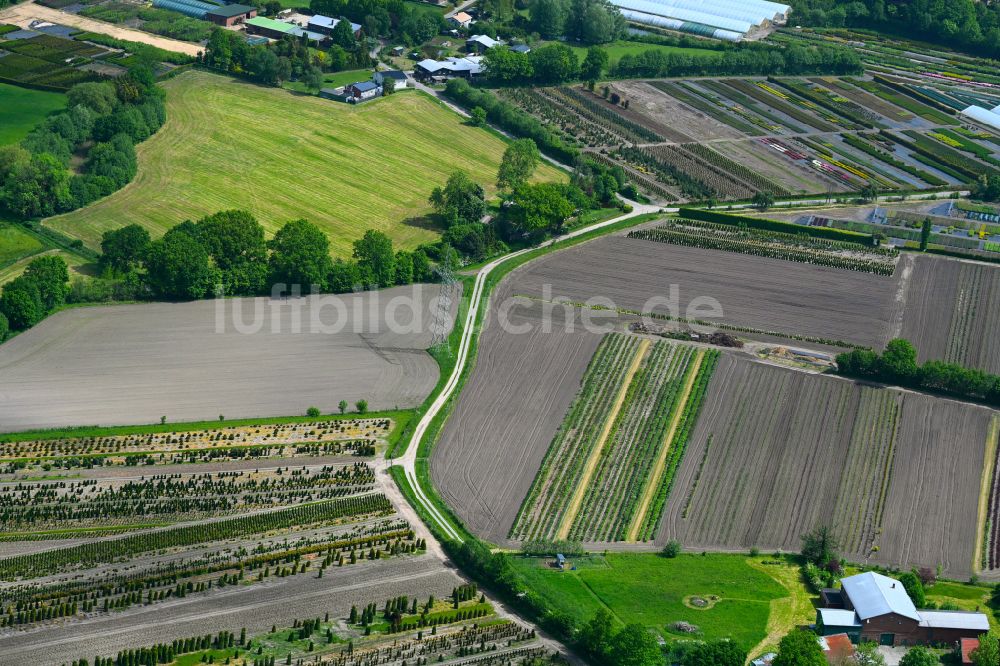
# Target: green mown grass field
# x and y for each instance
(16, 244)
(652, 590)
(284, 156)
(624, 47)
(23, 108)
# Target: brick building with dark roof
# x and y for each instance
(230, 15)
(877, 608)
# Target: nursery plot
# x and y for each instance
(777, 452)
(951, 312)
(931, 508)
(256, 607)
(136, 363)
(513, 402)
(607, 481)
(890, 114)
(569, 464)
(662, 107)
(789, 299)
(792, 176)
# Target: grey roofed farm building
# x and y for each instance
(878, 608)
(873, 594)
(480, 43)
(467, 68)
(326, 24)
(520, 48)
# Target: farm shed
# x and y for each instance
(362, 90)
(266, 27)
(466, 68)
(883, 612)
(837, 648)
(833, 621)
(230, 15)
(461, 20)
(326, 24)
(400, 78)
(481, 43)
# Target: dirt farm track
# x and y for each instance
(136, 363)
(23, 14)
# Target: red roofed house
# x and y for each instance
(837, 649)
(967, 645)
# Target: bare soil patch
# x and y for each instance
(23, 14)
(135, 363)
(665, 110)
(768, 294)
(777, 452)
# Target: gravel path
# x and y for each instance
(23, 14)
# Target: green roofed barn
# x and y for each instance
(259, 25)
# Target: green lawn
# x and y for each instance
(24, 108)
(652, 590)
(624, 47)
(76, 264)
(16, 244)
(231, 144)
(334, 79)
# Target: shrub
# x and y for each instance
(312, 412)
(672, 549)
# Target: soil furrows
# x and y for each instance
(563, 463)
(721, 508)
(970, 283)
(861, 498)
(788, 475)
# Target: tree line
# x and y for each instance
(529, 211)
(104, 120)
(961, 24)
(385, 18)
(752, 59)
(898, 365)
(287, 59)
(227, 252)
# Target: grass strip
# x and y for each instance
(595, 454)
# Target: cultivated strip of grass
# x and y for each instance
(654, 477)
(595, 455)
(979, 557)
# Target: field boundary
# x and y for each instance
(595, 454)
(661, 461)
(985, 487)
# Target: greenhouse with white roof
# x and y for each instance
(730, 20)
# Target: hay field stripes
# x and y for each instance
(232, 144)
(639, 435)
(546, 502)
(611, 423)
